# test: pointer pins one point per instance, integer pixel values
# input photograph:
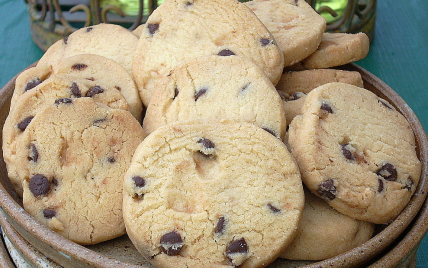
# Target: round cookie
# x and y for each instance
(356, 151)
(180, 29)
(212, 194)
(334, 50)
(104, 72)
(294, 85)
(324, 232)
(215, 87)
(295, 25)
(34, 100)
(76, 152)
(109, 40)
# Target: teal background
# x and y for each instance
(398, 55)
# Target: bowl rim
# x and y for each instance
(354, 257)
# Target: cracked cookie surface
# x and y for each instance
(356, 151)
(75, 153)
(212, 194)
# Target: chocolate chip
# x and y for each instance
(175, 92)
(200, 92)
(327, 190)
(39, 185)
(221, 225)
(49, 213)
(118, 88)
(63, 100)
(188, 3)
(409, 185)
(270, 131)
(273, 208)
(237, 247)
(244, 88)
(111, 160)
(153, 28)
(384, 103)
(347, 153)
(34, 154)
(65, 40)
(24, 123)
(207, 143)
(265, 42)
(388, 172)
(380, 185)
(226, 52)
(296, 96)
(171, 243)
(79, 66)
(139, 181)
(75, 90)
(94, 91)
(90, 78)
(326, 107)
(32, 84)
(96, 122)
(89, 29)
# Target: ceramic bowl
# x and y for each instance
(393, 245)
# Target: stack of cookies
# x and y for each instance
(216, 134)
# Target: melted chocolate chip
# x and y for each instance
(327, 190)
(63, 100)
(32, 84)
(270, 131)
(221, 225)
(153, 28)
(388, 172)
(206, 143)
(326, 107)
(75, 90)
(200, 92)
(94, 91)
(139, 181)
(347, 153)
(49, 213)
(171, 243)
(380, 185)
(24, 123)
(39, 185)
(34, 154)
(235, 247)
(244, 88)
(175, 92)
(79, 66)
(273, 208)
(226, 52)
(409, 184)
(264, 42)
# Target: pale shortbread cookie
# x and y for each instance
(215, 87)
(296, 26)
(212, 194)
(76, 152)
(36, 99)
(334, 50)
(356, 151)
(324, 233)
(294, 85)
(180, 29)
(109, 40)
(100, 70)
(138, 31)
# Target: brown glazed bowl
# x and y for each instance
(394, 245)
